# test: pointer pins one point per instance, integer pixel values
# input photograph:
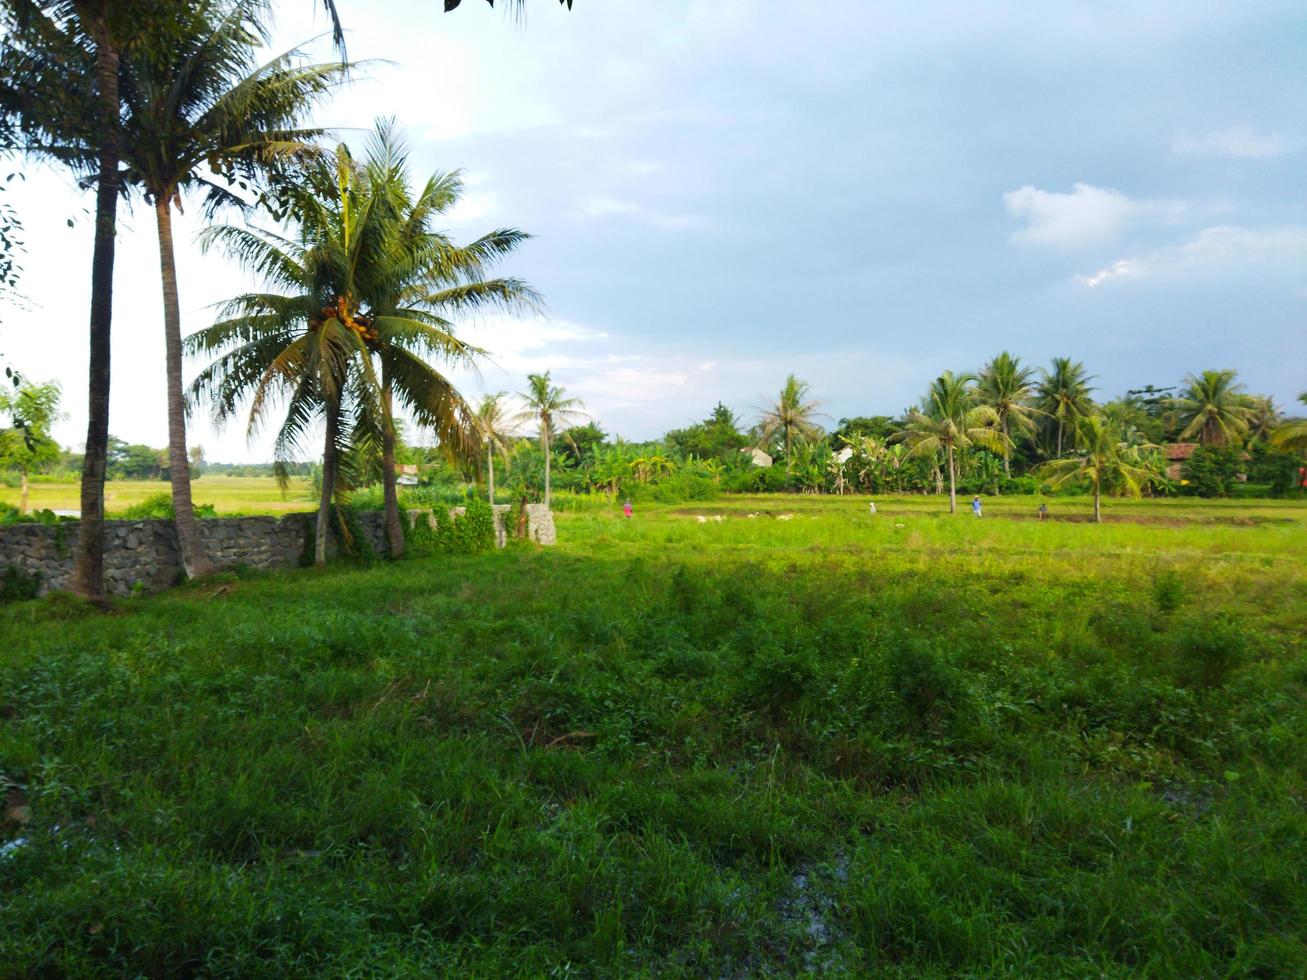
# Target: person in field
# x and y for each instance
(975, 506)
(872, 505)
(627, 509)
(1043, 511)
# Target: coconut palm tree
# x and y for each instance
(368, 280)
(1006, 387)
(548, 406)
(199, 107)
(59, 98)
(1263, 416)
(950, 420)
(792, 415)
(1104, 460)
(496, 432)
(1292, 435)
(1063, 395)
(1211, 408)
(423, 279)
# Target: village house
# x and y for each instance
(1176, 454)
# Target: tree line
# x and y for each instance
(1007, 428)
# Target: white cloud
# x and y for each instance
(1237, 141)
(1086, 216)
(524, 344)
(611, 207)
(1120, 269)
(472, 207)
(603, 207)
(1212, 249)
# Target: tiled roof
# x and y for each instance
(1177, 451)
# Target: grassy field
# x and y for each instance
(806, 741)
(231, 495)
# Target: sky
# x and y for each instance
(862, 193)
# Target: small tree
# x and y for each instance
(496, 432)
(34, 408)
(1292, 435)
(547, 405)
(950, 422)
(1210, 470)
(1211, 408)
(1063, 395)
(792, 415)
(1104, 461)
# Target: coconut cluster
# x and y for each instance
(359, 323)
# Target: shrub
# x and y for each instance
(1168, 590)
(1209, 650)
(158, 506)
(927, 687)
(478, 526)
(1210, 471)
(16, 584)
(776, 679)
(471, 534)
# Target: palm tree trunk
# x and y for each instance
(328, 482)
(390, 493)
(490, 471)
(22, 494)
(547, 498)
(194, 559)
(1098, 513)
(952, 484)
(1059, 438)
(1007, 458)
(88, 572)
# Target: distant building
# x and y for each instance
(406, 475)
(1176, 454)
(758, 457)
(844, 455)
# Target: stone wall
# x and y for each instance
(143, 554)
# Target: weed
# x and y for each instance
(1210, 649)
(747, 748)
(1168, 590)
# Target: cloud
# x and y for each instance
(524, 344)
(1237, 141)
(1212, 249)
(611, 207)
(1087, 216)
(1120, 269)
(472, 207)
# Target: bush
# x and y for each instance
(1210, 471)
(471, 534)
(777, 679)
(759, 479)
(928, 687)
(158, 506)
(1210, 650)
(16, 584)
(1168, 590)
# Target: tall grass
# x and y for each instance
(901, 745)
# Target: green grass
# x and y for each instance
(230, 495)
(905, 745)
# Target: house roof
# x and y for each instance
(1179, 451)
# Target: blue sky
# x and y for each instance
(726, 192)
